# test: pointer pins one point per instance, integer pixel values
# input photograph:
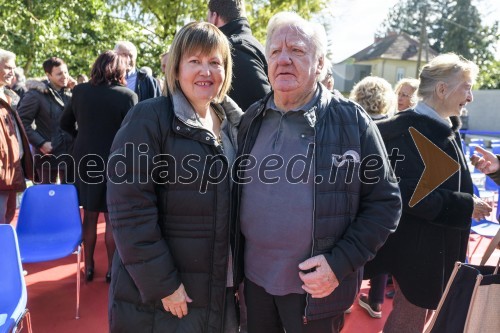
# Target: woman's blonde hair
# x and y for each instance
(375, 95)
(204, 38)
(445, 68)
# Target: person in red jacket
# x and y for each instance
(16, 162)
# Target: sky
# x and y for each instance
(354, 23)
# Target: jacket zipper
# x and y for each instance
(237, 226)
(304, 317)
(460, 160)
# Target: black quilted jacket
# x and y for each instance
(352, 219)
(169, 228)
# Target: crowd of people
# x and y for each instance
(245, 193)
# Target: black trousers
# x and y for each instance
(48, 174)
(275, 314)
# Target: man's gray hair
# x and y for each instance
(127, 46)
(6, 56)
(312, 31)
(326, 70)
(19, 73)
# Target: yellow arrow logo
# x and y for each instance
(443, 167)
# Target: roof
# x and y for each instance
(394, 46)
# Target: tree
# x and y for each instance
(78, 31)
(260, 11)
(451, 26)
(489, 77)
(165, 17)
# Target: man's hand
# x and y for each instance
(487, 163)
(177, 302)
(322, 281)
(46, 148)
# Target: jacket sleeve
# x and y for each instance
(496, 175)
(133, 204)
(442, 206)
(28, 111)
(153, 88)
(377, 215)
(68, 119)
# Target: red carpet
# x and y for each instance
(52, 296)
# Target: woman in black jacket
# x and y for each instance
(378, 99)
(433, 232)
(168, 196)
(98, 107)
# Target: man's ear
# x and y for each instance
(214, 18)
(321, 64)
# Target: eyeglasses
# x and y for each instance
(402, 94)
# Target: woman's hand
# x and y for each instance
(481, 209)
(487, 163)
(177, 302)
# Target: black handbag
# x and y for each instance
(470, 303)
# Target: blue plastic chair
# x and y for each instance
(49, 226)
(13, 295)
(495, 148)
(478, 141)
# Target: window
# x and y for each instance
(400, 73)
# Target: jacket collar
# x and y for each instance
(402, 121)
(227, 110)
(423, 108)
(314, 114)
(239, 26)
(12, 97)
(57, 95)
(45, 88)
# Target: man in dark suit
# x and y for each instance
(40, 112)
(250, 82)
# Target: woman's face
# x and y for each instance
(456, 97)
(404, 97)
(201, 76)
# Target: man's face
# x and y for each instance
(293, 65)
(7, 72)
(130, 58)
(59, 77)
